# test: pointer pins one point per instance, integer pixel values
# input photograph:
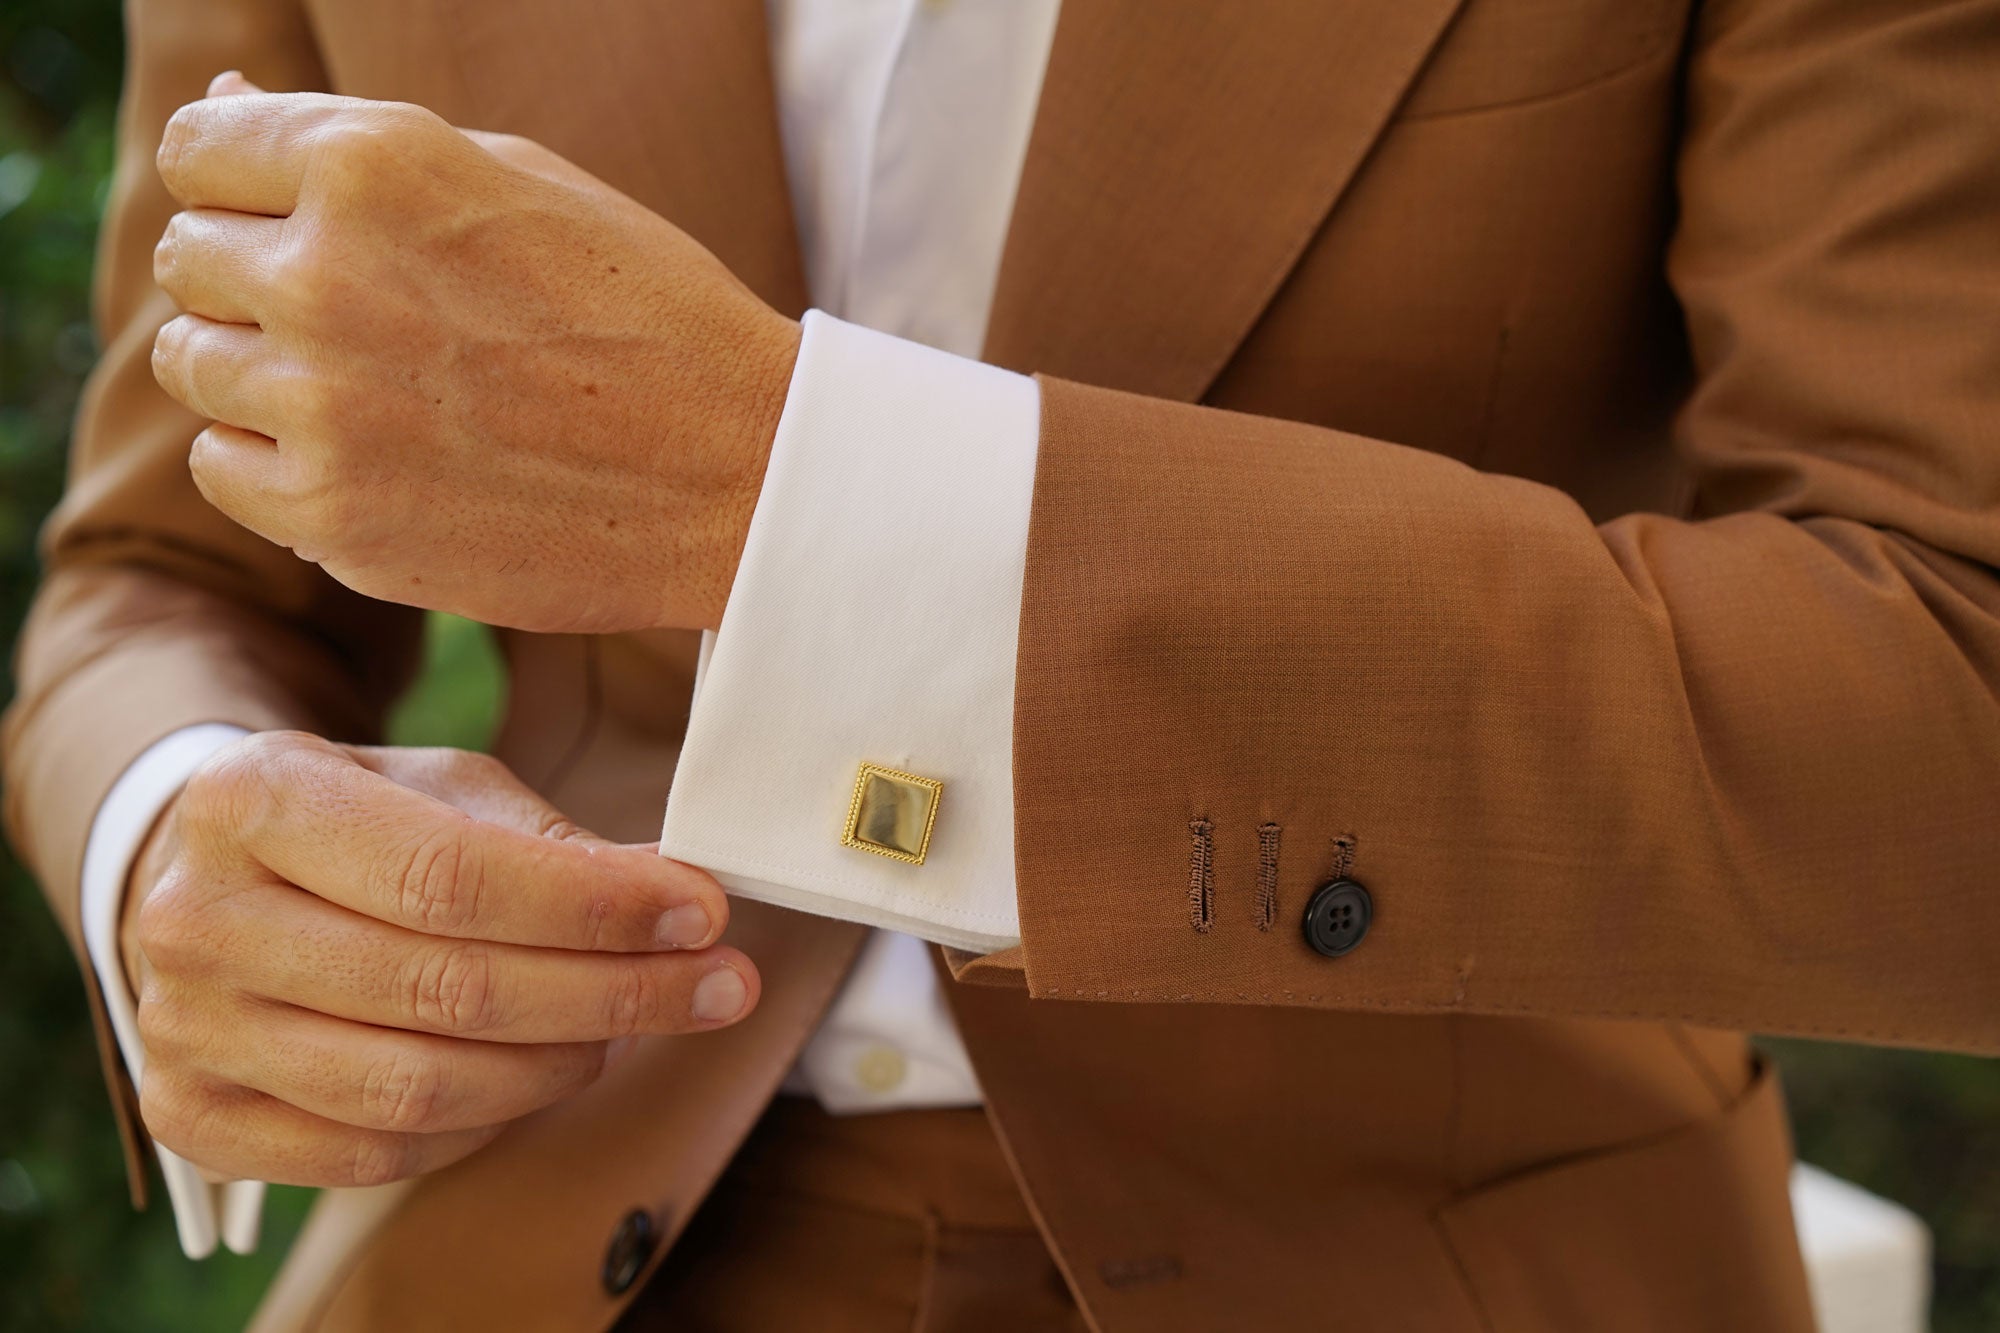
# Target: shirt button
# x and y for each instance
(625, 1257)
(1338, 916)
(881, 1069)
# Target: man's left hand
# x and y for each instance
(458, 371)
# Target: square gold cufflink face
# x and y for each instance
(892, 813)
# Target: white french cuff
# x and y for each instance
(203, 1213)
(873, 621)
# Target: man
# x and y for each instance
(1489, 599)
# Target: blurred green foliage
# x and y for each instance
(1920, 1128)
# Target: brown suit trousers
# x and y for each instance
(1535, 455)
(908, 1222)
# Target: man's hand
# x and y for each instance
(457, 371)
(355, 965)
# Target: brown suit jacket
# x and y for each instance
(1648, 678)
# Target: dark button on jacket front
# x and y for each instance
(625, 1257)
(1337, 917)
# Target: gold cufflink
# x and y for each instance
(892, 813)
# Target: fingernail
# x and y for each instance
(684, 927)
(617, 1049)
(719, 996)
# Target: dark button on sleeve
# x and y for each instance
(625, 1257)
(1337, 917)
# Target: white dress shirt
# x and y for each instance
(895, 512)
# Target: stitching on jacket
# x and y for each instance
(1267, 875)
(1201, 876)
(1343, 856)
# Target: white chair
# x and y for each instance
(1868, 1261)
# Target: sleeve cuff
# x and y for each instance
(203, 1213)
(874, 620)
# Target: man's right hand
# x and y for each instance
(355, 965)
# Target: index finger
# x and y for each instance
(248, 152)
(244, 152)
(354, 837)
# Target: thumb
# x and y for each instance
(488, 790)
(231, 83)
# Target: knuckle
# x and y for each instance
(311, 414)
(328, 289)
(161, 1031)
(173, 344)
(210, 787)
(560, 1072)
(173, 1110)
(451, 989)
(350, 146)
(515, 149)
(208, 466)
(474, 763)
(403, 1093)
(457, 770)
(376, 1159)
(166, 254)
(438, 885)
(511, 145)
(313, 400)
(600, 912)
(408, 118)
(160, 1113)
(180, 131)
(281, 761)
(632, 1001)
(298, 277)
(583, 1065)
(170, 928)
(359, 147)
(557, 827)
(239, 792)
(316, 278)
(237, 765)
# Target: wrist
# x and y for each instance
(762, 381)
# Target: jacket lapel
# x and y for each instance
(672, 103)
(1181, 159)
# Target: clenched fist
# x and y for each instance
(355, 965)
(457, 371)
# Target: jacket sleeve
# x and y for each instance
(1739, 768)
(156, 612)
